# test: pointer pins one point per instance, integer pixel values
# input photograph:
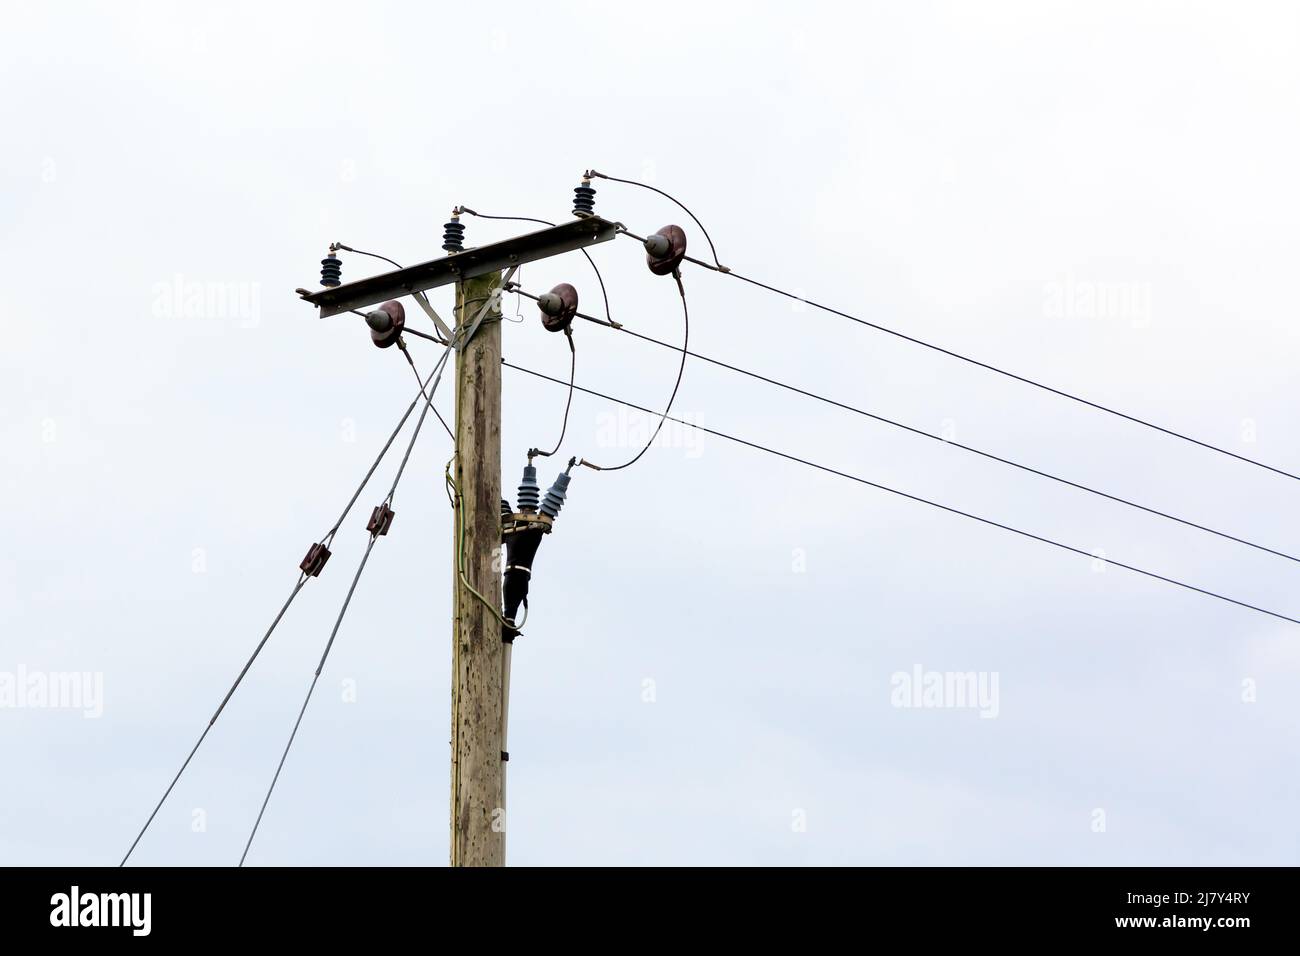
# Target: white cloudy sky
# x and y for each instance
(954, 171)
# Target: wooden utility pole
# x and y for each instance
(480, 662)
(477, 794)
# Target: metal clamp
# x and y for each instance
(464, 334)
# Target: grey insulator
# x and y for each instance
(555, 496)
(550, 303)
(529, 491)
(506, 510)
(379, 320)
(658, 246)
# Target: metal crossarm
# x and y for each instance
(494, 257)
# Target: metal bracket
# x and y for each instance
(466, 332)
(518, 522)
(542, 244)
(423, 301)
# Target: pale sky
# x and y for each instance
(1101, 196)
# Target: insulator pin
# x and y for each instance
(657, 246)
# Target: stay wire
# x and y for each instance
(303, 710)
(303, 578)
(925, 501)
(384, 451)
(329, 644)
(939, 438)
(717, 266)
(411, 362)
(428, 404)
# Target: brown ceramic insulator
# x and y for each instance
(398, 314)
(560, 307)
(668, 263)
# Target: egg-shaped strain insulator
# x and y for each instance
(558, 307)
(530, 494)
(584, 198)
(506, 510)
(386, 323)
(453, 235)
(555, 496)
(331, 271)
(665, 250)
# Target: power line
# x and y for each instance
(939, 438)
(1001, 371)
(717, 266)
(917, 498)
